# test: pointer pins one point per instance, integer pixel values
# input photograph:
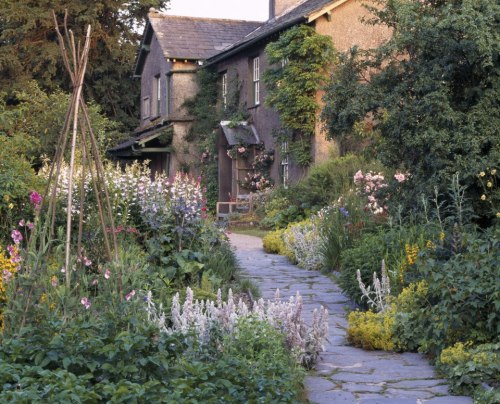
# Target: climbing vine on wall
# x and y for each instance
(300, 60)
(207, 111)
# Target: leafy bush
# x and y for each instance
(302, 242)
(119, 359)
(463, 299)
(370, 330)
(273, 242)
(342, 225)
(397, 245)
(329, 180)
(473, 370)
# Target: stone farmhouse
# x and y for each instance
(174, 48)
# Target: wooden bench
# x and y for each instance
(242, 204)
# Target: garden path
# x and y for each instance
(344, 374)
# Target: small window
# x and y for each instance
(145, 108)
(284, 164)
(156, 99)
(256, 81)
(167, 95)
(224, 91)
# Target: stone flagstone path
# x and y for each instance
(344, 374)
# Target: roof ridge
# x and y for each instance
(162, 15)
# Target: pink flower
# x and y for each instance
(400, 177)
(35, 199)
(107, 274)
(6, 276)
(241, 150)
(129, 296)
(87, 262)
(94, 282)
(358, 176)
(30, 225)
(86, 303)
(22, 223)
(16, 236)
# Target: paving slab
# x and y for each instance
(344, 374)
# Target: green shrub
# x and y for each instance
(327, 181)
(370, 330)
(273, 242)
(303, 242)
(342, 225)
(469, 369)
(398, 246)
(463, 299)
(115, 358)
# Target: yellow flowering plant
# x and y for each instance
(490, 197)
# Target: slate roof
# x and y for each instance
(294, 16)
(197, 38)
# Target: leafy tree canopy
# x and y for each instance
(431, 91)
(38, 118)
(28, 49)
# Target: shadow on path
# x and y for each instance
(344, 374)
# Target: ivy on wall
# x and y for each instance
(301, 58)
(207, 112)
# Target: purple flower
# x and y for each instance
(344, 211)
(35, 199)
(16, 236)
(86, 303)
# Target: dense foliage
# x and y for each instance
(300, 58)
(431, 93)
(29, 50)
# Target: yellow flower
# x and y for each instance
(489, 184)
(493, 172)
(482, 174)
(6, 198)
(43, 298)
(11, 206)
(498, 214)
(483, 197)
(441, 236)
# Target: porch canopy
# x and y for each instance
(239, 132)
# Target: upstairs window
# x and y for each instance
(224, 90)
(145, 108)
(256, 81)
(167, 95)
(156, 97)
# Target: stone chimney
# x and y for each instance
(276, 7)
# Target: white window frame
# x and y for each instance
(146, 108)
(167, 95)
(156, 97)
(224, 90)
(284, 164)
(256, 80)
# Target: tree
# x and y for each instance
(28, 49)
(431, 92)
